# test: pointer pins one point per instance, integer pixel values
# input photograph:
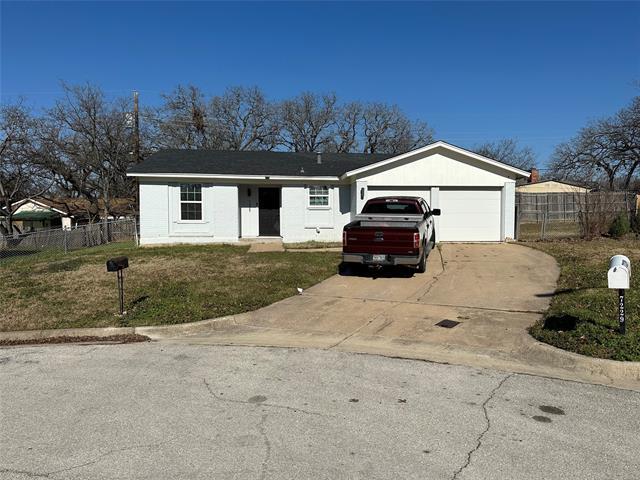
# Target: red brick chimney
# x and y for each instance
(535, 176)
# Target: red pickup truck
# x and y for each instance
(391, 231)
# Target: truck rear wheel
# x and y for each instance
(422, 265)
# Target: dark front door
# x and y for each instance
(269, 212)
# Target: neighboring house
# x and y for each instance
(31, 214)
(534, 185)
(200, 196)
(38, 213)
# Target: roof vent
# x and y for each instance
(318, 158)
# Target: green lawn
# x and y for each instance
(163, 285)
(583, 313)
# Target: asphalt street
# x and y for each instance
(169, 411)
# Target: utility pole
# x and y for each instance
(136, 128)
(136, 151)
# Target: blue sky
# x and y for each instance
(474, 71)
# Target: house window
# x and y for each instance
(191, 201)
(318, 196)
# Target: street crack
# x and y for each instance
(85, 464)
(260, 404)
(26, 473)
(485, 430)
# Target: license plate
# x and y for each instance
(378, 258)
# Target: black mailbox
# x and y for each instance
(118, 263)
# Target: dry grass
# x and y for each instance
(557, 230)
(163, 285)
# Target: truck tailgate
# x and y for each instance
(377, 240)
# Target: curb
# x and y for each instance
(613, 370)
(539, 358)
(66, 332)
(153, 332)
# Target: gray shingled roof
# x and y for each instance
(223, 162)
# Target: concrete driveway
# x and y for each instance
(495, 291)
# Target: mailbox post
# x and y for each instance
(118, 264)
(618, 278)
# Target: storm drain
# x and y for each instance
(447, 323)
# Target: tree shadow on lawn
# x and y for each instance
(564, 291)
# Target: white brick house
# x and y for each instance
(202, 196)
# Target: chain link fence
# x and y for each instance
(549, 216)
(63, 240)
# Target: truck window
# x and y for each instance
(394, 208)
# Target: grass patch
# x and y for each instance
(163, 285)
(583, 313)
(533, 231)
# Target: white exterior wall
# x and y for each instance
(160, 215)
(248, 211)
(154, 213)
(439, 170)
(301, 223)
(509, 211)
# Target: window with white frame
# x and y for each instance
(318, 196)
(191, 201)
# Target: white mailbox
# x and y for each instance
(619, 272)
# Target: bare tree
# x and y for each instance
(242, 119)
(588, 157)
(86, 145)
(606, 151)
(18, 173)
(386, 129)
(623, 132)
(306, 122)
(508, 151)
(348, 126)
(181, 121)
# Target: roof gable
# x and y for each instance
(432, 147)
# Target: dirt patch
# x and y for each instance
(125, 338)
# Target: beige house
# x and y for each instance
(534, 185)
(551, 186)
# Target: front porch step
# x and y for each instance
(263, 244)
(252, 240)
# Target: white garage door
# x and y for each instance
(469, 215)
(374, 192)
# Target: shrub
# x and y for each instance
(620, 226)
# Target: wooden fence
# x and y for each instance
(555, 215)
